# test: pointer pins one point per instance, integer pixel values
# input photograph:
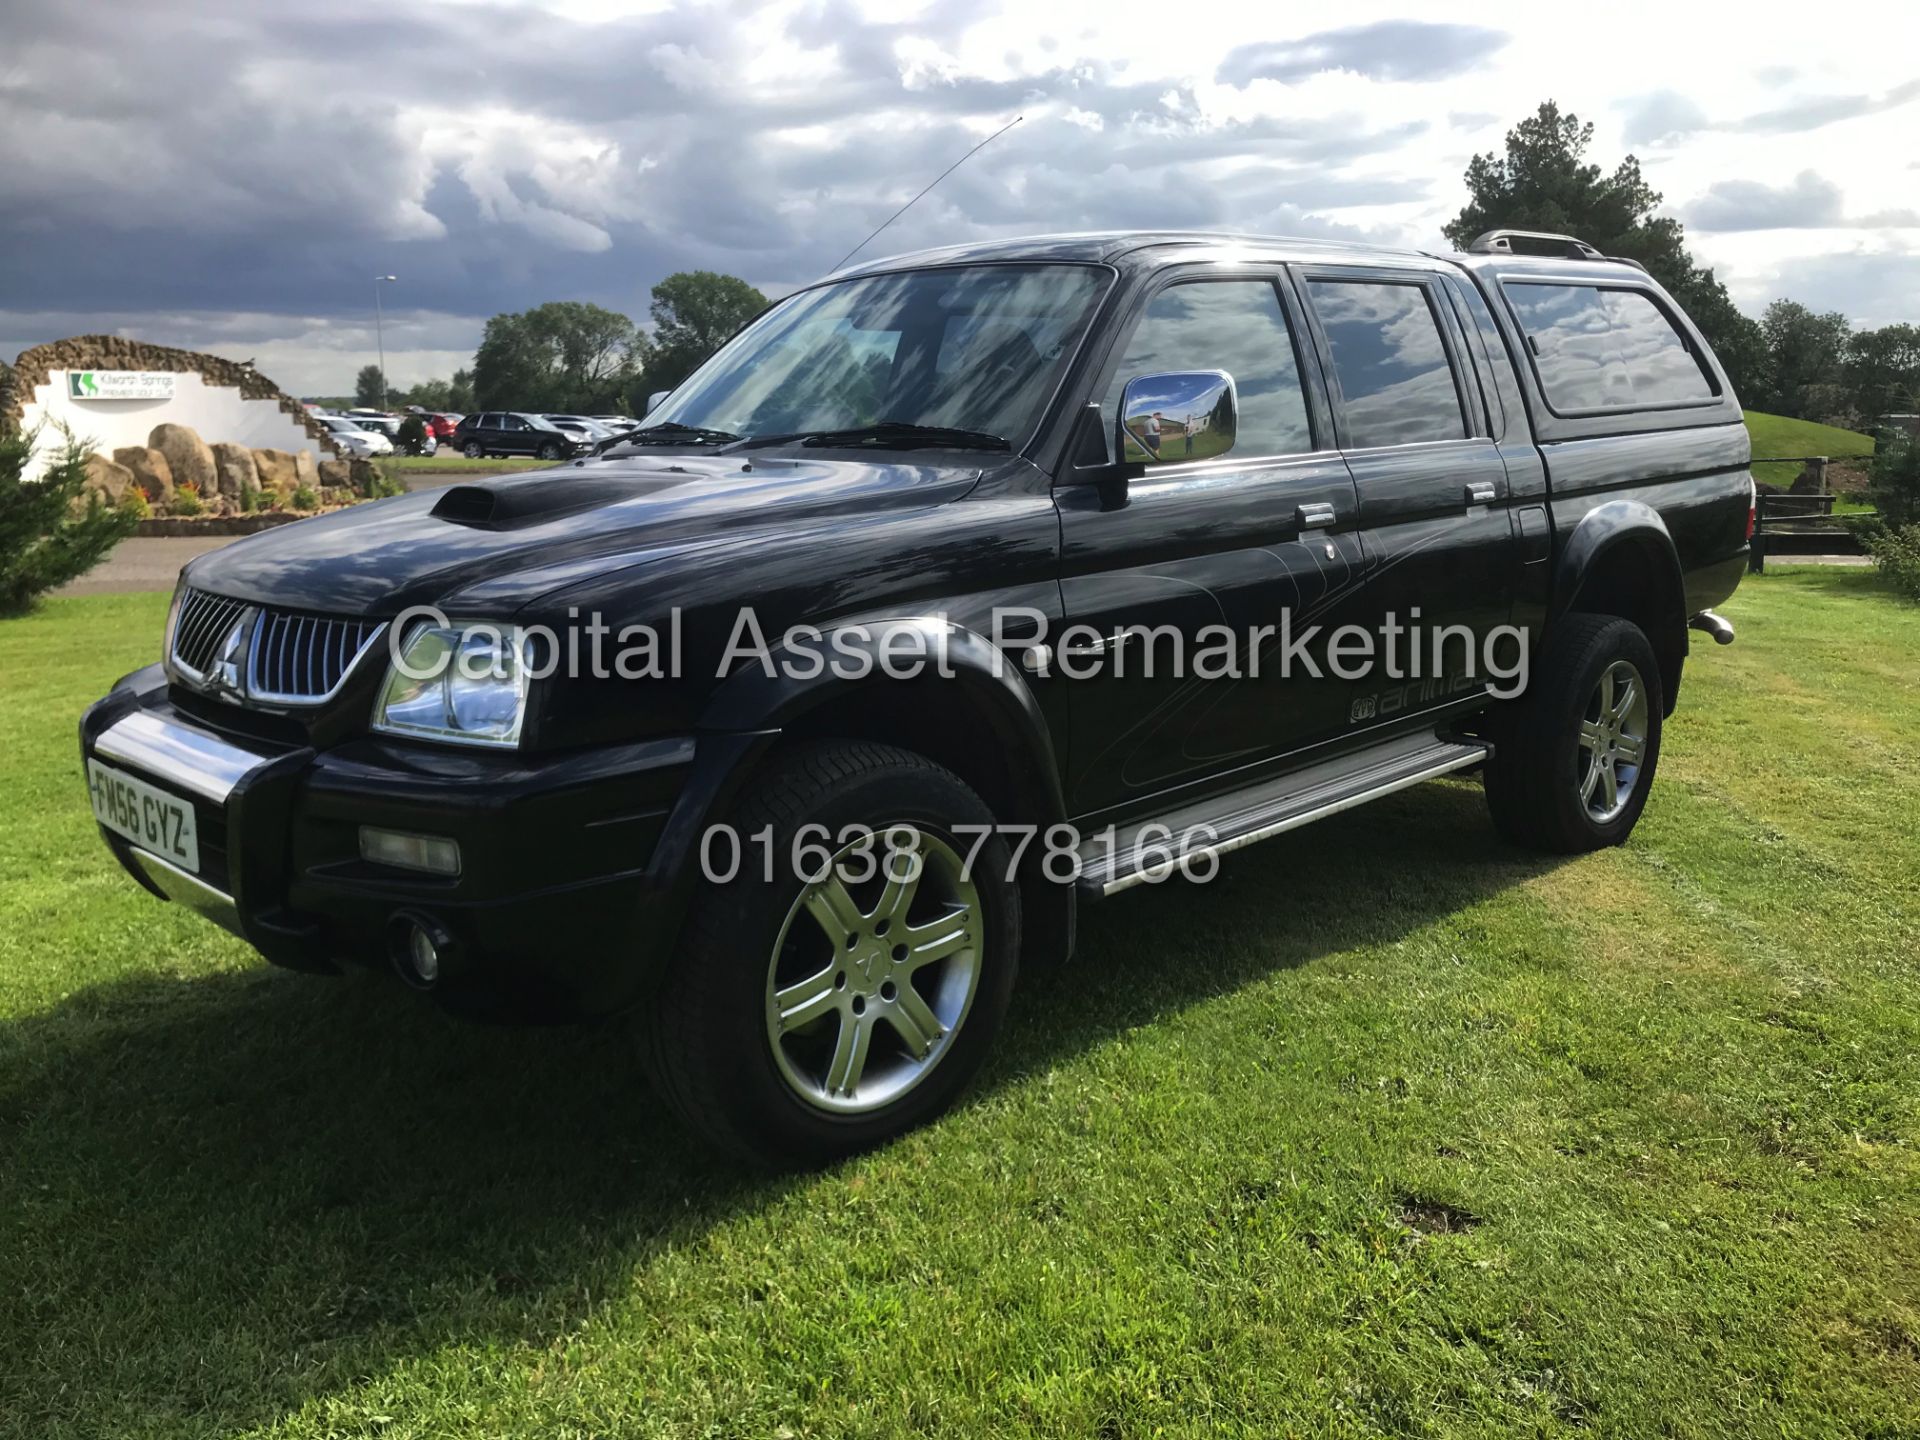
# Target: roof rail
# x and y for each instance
(1500, 242)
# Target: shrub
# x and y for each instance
(413, 435)
(186, 499)
(1893, 485)
(135, 503)
(304, 499)
(1896, 553)
(249, 499)
(383, 484)
(47, 534)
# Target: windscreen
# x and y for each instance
(976, 347)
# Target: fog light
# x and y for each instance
(434, 854)
(422, 950)
(423, 956)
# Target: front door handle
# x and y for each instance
(1315, 516)
(1482, 492)
(1098, 647)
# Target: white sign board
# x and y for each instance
(120, 384)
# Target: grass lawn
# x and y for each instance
(1390, 1130)
(1778, 435)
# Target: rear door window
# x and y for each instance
(1604, 348)
(1395, 381)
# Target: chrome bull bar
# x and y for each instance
(189, 759)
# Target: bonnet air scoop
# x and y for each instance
(531, 499)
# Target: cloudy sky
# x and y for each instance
(229, 175)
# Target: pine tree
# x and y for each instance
(47, 535)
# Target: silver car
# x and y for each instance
(359, 443)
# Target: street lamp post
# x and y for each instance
(379, 337)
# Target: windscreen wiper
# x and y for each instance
(892, 435)
(672, 432)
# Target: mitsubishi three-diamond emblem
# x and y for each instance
(224, 675)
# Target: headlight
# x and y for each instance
(464, 682)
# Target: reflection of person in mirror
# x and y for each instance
(1153, 434)
(1188, 422)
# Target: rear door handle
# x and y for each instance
(1314, 517)
(1482, 492)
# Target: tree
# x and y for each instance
(563, 355)
(455, 395)
(48, 535)
(694, 313)
(1883, 372)
(370, 388)
(1806, 354)
(1541, 183)
(1893, 485)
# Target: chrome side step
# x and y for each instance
(1122, 857)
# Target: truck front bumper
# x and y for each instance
(564, 900)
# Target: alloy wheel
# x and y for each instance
(874, 971)
(1613, 741)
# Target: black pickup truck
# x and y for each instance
(956, 591)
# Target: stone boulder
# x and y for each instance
(306, 469)
(363, 473)
(188, 456)
(276, 471)
(335, 473)
(150, 471)
(235, 468)
(108, 480)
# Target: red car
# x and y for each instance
(441, 426)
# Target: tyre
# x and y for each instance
(549, 451)
(814, 1010)
(473, 450)
(1575, 756)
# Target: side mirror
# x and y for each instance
(1179, 416)
(655, 398)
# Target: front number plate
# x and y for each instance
(152, 819)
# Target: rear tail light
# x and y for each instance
(1753, 505)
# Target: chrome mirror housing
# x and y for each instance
(1178, 416)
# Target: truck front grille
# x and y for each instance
(259, 653)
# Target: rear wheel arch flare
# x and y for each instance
(1621, 561)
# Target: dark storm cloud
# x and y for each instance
(1387, 50)
(1667, 115)
(1818, 110)
(1872, 288)
(1660, 115)
(226, 158)
(1809, 202)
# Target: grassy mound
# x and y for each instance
(1781, 435)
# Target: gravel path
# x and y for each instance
(143, 563)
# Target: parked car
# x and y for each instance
(815, 883)
(513, 432)
(354, 438)
(389, 426)
(583, 428)
(442, 427)
(619, 424)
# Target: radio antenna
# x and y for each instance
(936, 180)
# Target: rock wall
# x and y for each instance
(35, 367)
